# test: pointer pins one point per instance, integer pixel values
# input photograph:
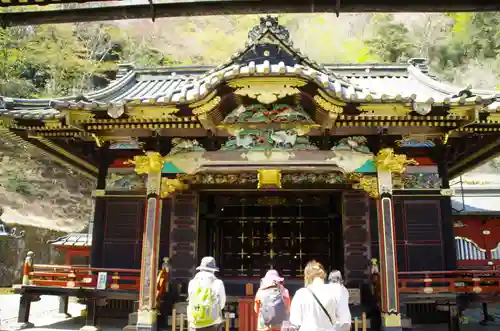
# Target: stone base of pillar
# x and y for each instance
(391, 322)
(147, 320)
(89, 328)
(20, 326)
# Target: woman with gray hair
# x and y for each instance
(340, 291)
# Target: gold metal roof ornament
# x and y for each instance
(386, 159)
(152, 162)
(267, 89)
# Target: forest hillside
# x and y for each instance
(57, 60)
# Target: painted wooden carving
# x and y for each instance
(221, 179)
(181, 145)
(304, 178)
(132, 144)
(356, 143)
(124, 182)
(416, 181)
(262, 114)
(267, 139)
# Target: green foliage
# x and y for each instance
(66, 59)
(390, 41)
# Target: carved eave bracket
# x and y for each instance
(207, 111)
(328, 109)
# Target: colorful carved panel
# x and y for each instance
(267, 139)
(356, 143)
(416, 181)
(262, 114)
(411, 142)
(132, 144)
(304, 178)
(116, 181)
(181, 145)
(221, 179)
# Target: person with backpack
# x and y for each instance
(314, 307)
(272, 302)
(206, 298)
(342, 296)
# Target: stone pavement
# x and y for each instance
(44, 317)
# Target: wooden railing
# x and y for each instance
(75, 277)
(419, 282)
(456, 281)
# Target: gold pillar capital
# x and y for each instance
(387, 160)
(150, 163)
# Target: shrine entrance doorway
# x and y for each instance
(251, 232)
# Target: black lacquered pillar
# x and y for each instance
(388, 163)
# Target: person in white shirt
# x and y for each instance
(316, 306)
(342, 295)
(202, 313)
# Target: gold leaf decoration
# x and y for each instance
(169, 186)
(386, 159)
(368, 184)
(152, 162)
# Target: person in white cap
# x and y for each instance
(206, 298)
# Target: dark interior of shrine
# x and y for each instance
(251, 232)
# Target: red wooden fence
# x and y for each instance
(72, 276)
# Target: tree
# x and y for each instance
(390, 41)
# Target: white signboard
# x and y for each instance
(354, 296)
(102, 279)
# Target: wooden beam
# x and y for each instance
(232, 7)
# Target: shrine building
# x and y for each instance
(268, 160)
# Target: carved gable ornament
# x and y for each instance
(267, 90)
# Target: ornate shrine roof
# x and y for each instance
(363, 83)
(401, 100)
